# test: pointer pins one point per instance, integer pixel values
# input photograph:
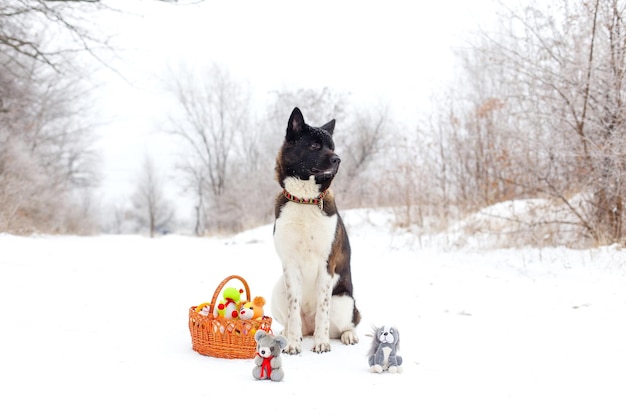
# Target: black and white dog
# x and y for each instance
(314, 295)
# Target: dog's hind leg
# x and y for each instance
(343, 314)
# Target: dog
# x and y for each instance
(314, 294)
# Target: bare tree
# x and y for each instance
(321, 105)
(152, 209)
(46, 151)
(539, 112)
(364, 143)
(569, 65)
(21, 22)
(213, 121)
(47, 159)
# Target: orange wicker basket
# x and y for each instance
(222, 337)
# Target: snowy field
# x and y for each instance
(98, 326)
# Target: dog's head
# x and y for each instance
(308, 153)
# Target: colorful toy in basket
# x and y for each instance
(267, 360)
(228, 306)
(203, 309)
(383, 354)
(252, 310)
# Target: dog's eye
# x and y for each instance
(315, 146)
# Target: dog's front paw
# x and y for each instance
(349, 338)
(321, 347)
(292, 349)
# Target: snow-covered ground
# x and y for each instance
(98, 326)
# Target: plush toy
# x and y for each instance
(267, 360)
(383, 354)
(228, 306)
(203, 309)
(251, 310)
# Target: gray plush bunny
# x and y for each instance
(383, 355)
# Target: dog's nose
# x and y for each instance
(335, 160)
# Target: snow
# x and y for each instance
(98, 325)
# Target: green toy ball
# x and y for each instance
(228, 306)
(232, 293)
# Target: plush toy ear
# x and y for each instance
(397, 338)
(282, 341)
(259, 335)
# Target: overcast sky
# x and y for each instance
(396, 52)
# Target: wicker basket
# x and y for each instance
(222, 337)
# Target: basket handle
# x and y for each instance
(221, 286)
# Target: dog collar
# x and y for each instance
(319, 201)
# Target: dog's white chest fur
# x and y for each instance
(303, 239)
(303, 234)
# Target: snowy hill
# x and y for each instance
(98, 325)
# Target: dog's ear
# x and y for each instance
(329, 127)
(295, 125)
